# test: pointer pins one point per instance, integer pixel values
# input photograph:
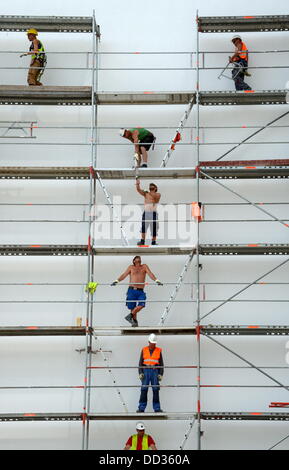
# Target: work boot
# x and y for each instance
(141, 242)
(140, 411)
(130, 319)
(144, 165)
(159, 411)
(154, 242)
(134, 322)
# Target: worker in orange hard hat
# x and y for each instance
(240, 61)
(38, 58)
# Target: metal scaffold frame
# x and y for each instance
(221, 25)
(201, 172)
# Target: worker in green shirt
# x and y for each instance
(142, 140)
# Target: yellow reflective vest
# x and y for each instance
(145, 442)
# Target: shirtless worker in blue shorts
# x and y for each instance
(136, 297)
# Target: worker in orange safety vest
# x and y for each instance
(151, 369)
(240, 61)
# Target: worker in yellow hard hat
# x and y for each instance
(38, 58)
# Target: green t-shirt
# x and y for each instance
(142, 132)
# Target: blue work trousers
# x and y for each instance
(150, 377)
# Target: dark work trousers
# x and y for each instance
(238, 75)
(150, 377)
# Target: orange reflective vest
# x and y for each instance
(151, 360)
(243, 53)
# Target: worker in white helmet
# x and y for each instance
(38, 58)
(240, 61)
(140, 441)
(151, 370)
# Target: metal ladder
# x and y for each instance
(179, 129)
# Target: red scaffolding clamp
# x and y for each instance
(177, 138)
(279, 404)
(198, 331)
(92, 172)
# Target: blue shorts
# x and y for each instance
(135, 298)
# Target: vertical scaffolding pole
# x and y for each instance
(90, 264)
(198, 336)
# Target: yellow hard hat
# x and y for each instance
(32, 31)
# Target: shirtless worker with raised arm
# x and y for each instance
(136, 297)
(150, 215)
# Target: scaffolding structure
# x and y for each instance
(203, 172)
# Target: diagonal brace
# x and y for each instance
(245, 199)
(247, 362)
(245, 288)
(252, 135)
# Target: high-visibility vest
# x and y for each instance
(145, 442)
(151, 360)
(243, 53)
(40, 54)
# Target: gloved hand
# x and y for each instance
(23, 55)
(114, 283)
(160, 377)
(90, 287)
(158, 282)
(141, 376)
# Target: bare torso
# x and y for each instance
(149, 202)
(137, 275)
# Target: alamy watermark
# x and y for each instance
(173, 222)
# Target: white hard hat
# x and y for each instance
(236, 37)
(140, 426)
(121, 132)
(152, 338)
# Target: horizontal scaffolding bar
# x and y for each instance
(229, 24)
(68, 95)
(184, 416)
(82, 250)
(207, 250)
(42, 331)
(225, 330)
(48, 24)
(246, 169)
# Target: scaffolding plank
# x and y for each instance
(247, 97)
(144, 97)
(144, 173)
(204, 249)
(42, 331)
(41, 417)
(246, 169)
(215, 330)
(245, 330)
(143, 330)
(45, 95)
(53, 24)
(143, 250)
(69, 95)
(58, 173)
(248, 249)
(43, 250)
(136, 416)
(82, 250)
(226, 24)
(245, 416)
